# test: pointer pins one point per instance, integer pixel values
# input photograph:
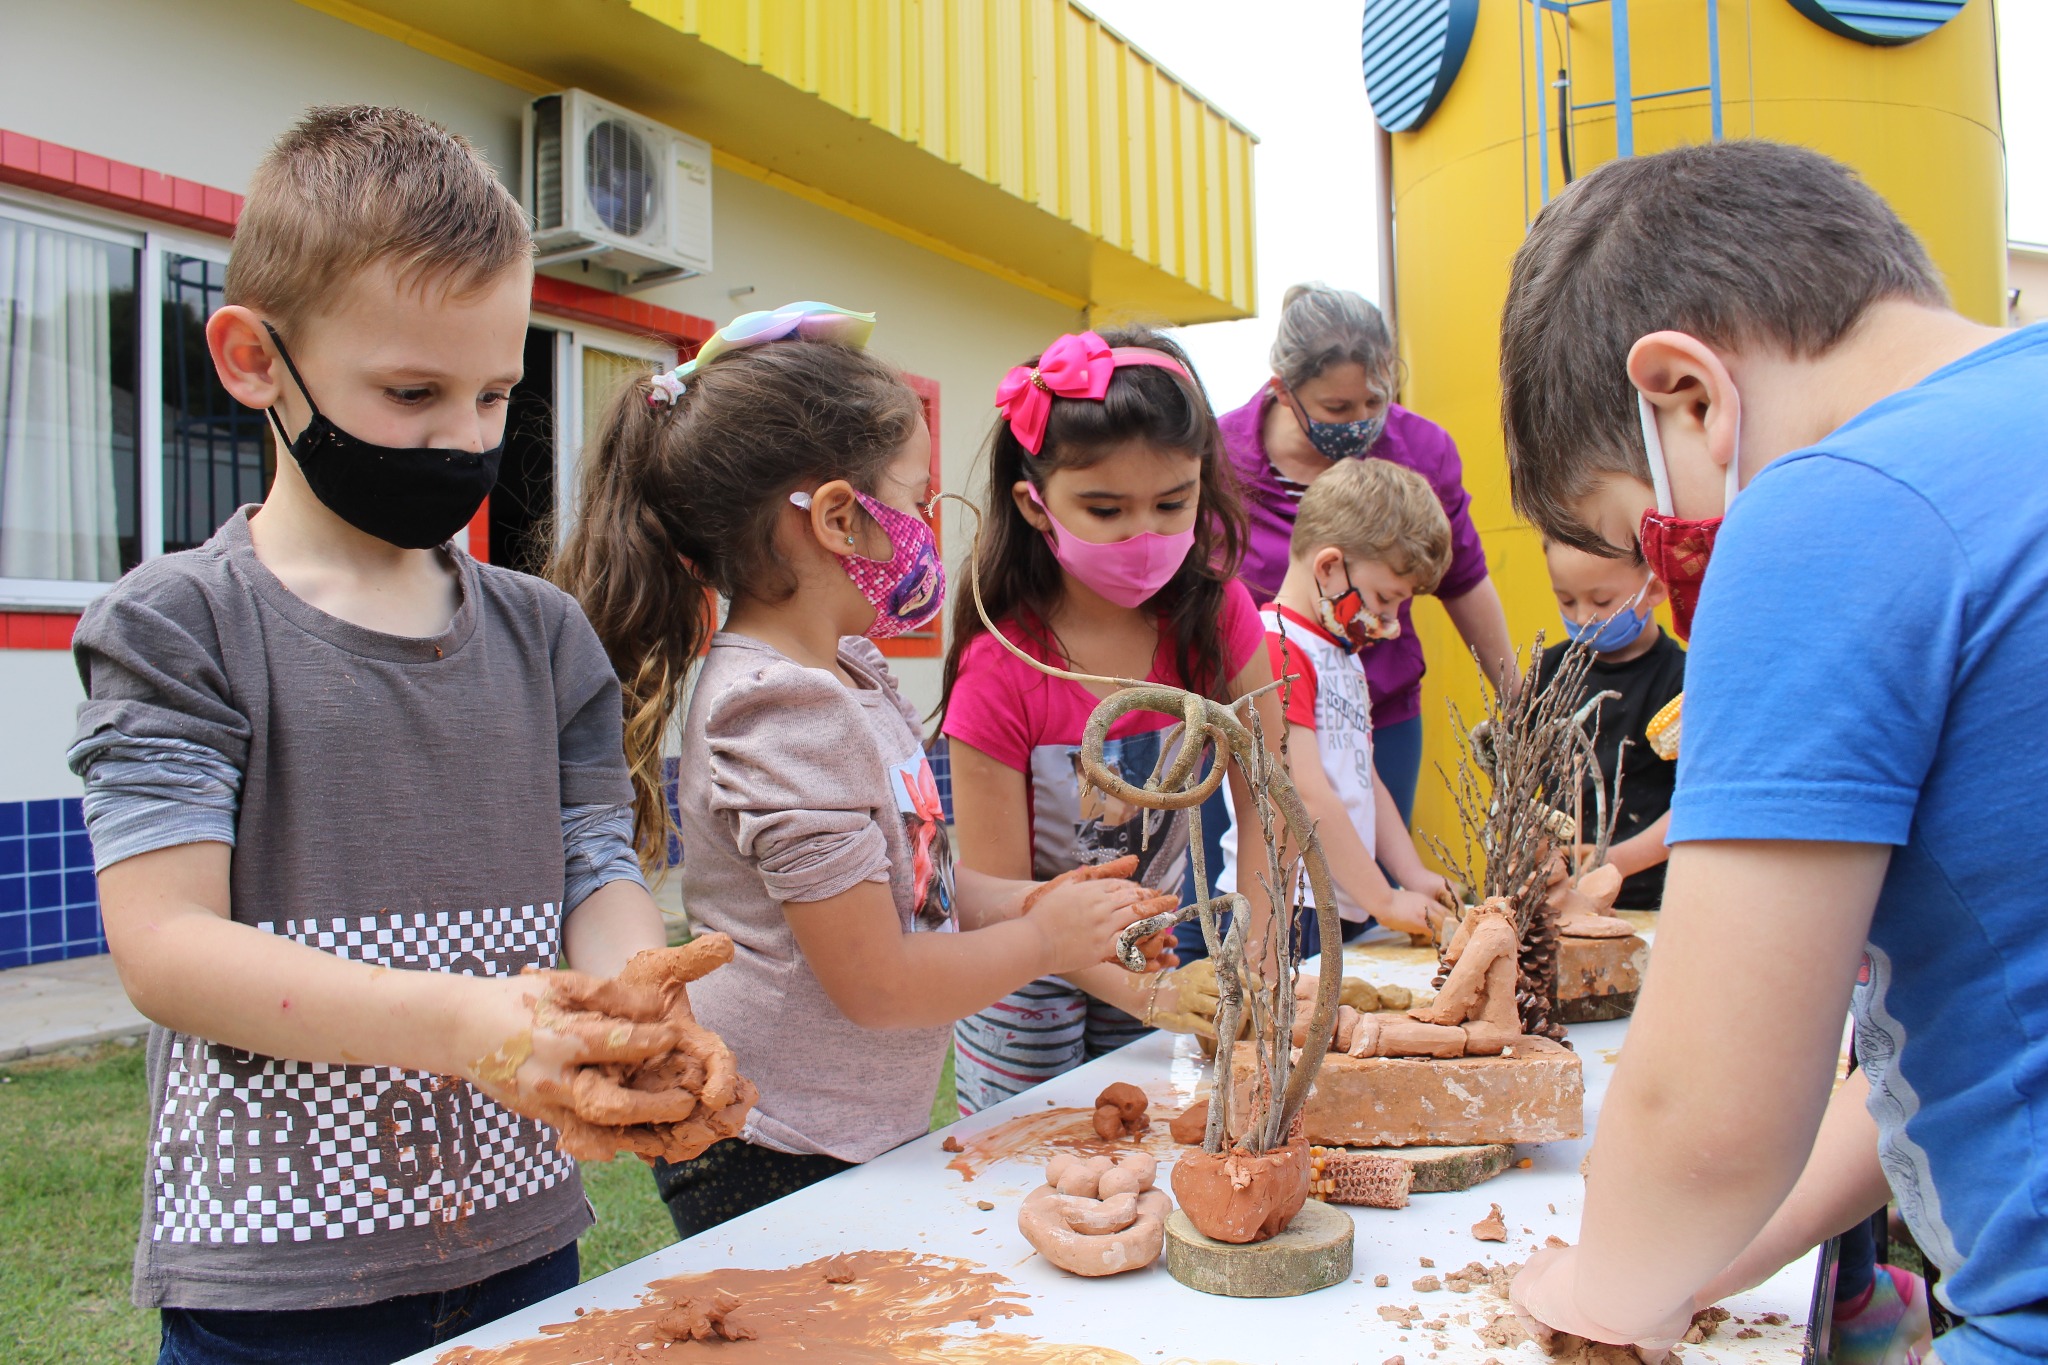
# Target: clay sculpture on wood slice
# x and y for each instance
(1120, 1112)
(673, 1105)
(1250, 1178)
(1097, 1215)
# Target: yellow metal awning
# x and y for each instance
(1022, 136)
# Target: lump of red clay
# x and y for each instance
(1097, 1215)
(1491, 1228)
(1192, 1125)
(1239, 1196)
(1428, 1284)
(1120, 1111)
(702, 1320)
(951, 1144)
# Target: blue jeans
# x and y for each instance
(1397, 758)
(366, 1334)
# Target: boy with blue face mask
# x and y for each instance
(1607, 605)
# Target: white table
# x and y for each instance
(912, 1199)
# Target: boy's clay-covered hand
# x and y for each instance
(1411, 912)
(550, 1025)
(1545, 1298)
(651, 1081)
(1081, 911)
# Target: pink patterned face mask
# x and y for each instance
(908, 587)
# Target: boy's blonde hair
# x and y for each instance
(1378, 510)
(352, 186)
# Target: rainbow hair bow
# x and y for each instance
(807, 321)
(1075, 366)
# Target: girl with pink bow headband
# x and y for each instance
(1109, 547)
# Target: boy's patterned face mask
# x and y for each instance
(908, 588)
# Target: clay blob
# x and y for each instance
(1120, 1112)
(1097, 1215)
(1491, 1228)
(1191, 1125)
(1239, 1196)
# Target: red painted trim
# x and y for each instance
(37, 629)
(580, 303)
(71, 174)
(923, 644)
(480, 534)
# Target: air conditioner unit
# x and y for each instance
(608, 186)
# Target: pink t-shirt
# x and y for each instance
(1028, 721)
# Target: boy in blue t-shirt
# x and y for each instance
(1859, 784)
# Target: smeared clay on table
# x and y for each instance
(1034, 1138)
(1097, 1215)
(1120, 1111)
(858, 1308)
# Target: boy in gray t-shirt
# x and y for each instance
(344, 783)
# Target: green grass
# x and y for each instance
(71, 1152)
(72, 1141)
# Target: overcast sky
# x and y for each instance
(1289, 71)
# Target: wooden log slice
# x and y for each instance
(1313, 1252)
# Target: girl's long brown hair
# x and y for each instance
(680, 502)
(1021, 581)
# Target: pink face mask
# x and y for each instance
(1126, 572)
(908, 587)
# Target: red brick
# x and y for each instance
(1537, 1095)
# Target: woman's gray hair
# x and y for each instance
(1321, 327)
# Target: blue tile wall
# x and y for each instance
(49, 901)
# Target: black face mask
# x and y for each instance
(415, 499)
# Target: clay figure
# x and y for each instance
(1120, 1112)
(1241, 1196)
(1097, 1215)
(1473, 1015)
(1585, 907)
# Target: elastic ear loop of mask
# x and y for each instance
(1660, 477)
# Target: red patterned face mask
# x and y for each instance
(1676, 551)
(1677, 548)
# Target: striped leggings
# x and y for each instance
(1031, 1035)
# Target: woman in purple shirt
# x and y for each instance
(1332, 398)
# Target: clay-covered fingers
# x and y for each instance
(679, 965)
(1115, 870)
(572, 992)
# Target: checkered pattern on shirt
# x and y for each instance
(254, 1149)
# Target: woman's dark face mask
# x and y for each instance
(414, 498)
(1339, 440)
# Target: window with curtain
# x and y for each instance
(68, 463)
(216, 453)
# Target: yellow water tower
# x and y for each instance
(1491, 106)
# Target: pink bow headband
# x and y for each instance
(1072, 367)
